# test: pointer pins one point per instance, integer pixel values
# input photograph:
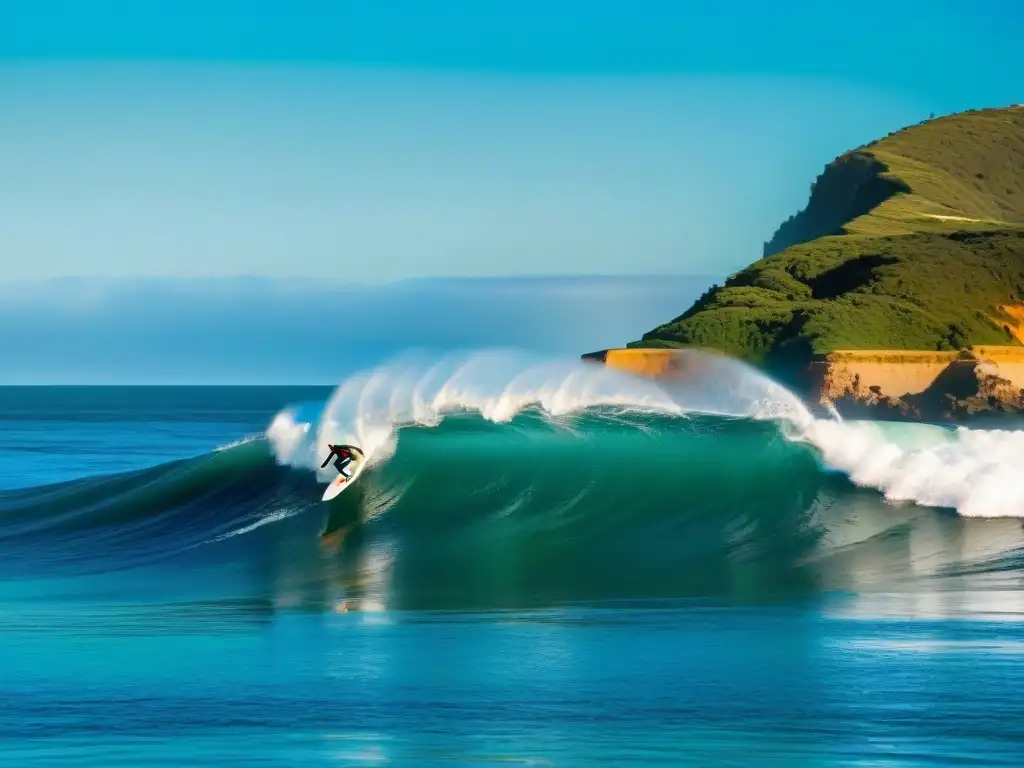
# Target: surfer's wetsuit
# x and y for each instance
(342, 458)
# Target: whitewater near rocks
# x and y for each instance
(976, 472)
(497, 480)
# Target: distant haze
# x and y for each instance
(271, 331)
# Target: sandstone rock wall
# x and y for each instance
(915, 385)
(901, 373)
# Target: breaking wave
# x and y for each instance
(972, 471)
(502, 480)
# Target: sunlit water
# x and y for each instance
(602, 588)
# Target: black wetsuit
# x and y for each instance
(342, 458)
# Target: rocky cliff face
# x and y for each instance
(956, 390)
(655, 363)
(850, 187)
(1013, 321)
(902, 385)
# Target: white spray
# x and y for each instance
(977, 472)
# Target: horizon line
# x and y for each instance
(241, 276)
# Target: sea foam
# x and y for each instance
(977, 472)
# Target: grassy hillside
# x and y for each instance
(915, 241)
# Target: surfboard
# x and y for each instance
(340, 483)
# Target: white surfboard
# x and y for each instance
(340, 483)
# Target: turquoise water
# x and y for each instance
(557, 573)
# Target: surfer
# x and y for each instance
(342, 456)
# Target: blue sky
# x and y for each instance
(374, 141)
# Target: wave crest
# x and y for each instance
(367, 408)
(975, 472)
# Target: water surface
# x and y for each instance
(555, 585)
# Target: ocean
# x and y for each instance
(546, 562)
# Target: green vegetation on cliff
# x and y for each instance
(915, 241)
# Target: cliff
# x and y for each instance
(655, 363)
(912, 242)
(903, 385)
(929, 386)
(850, 187)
